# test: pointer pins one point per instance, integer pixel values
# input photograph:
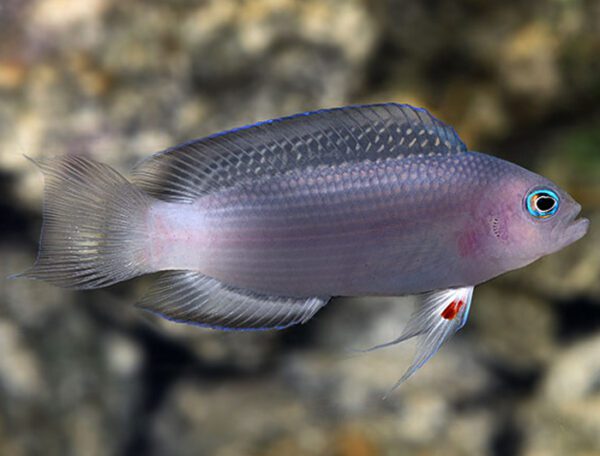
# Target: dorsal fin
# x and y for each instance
(326, 137)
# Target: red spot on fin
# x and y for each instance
(452, 309)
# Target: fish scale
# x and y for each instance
(277, 215)
(258, 227)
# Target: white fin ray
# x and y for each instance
(436, 318)
(190, 297)
(94, 231)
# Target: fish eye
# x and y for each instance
(542, 203)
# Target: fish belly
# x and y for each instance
(364, 228)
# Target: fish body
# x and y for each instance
(256, 228)
(392, 227)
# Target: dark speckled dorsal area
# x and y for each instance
(326, 137)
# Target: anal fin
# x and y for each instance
(435, 319)
(191, 297)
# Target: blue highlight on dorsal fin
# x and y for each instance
(261, 123)
(324, 137)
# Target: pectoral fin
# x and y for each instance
(436, 318)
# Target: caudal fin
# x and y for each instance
(93, 232)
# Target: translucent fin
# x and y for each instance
(190, 297)
(434, 321)
(93, 230)
(288, 144)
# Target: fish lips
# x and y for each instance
(576, 227)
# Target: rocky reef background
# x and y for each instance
(83, 373)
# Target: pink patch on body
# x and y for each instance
(452, 309)
(175, 234)
(468, 243)
(158, 234)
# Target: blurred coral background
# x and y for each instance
(84, 373)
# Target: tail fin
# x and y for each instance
(93, 232)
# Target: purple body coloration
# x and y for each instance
(258, 227)
(399, 226)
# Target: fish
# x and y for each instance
(258, 227)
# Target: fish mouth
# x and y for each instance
(577, 227)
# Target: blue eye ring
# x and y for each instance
(539, 203)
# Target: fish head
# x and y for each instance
(526, 217)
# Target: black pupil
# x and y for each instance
(545, 203)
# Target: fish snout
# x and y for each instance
(576, 227)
